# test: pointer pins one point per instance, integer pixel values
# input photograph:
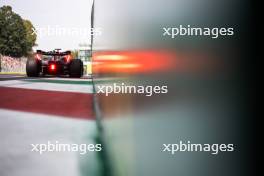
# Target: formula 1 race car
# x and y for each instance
(54, 63)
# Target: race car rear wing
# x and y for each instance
(53, 53)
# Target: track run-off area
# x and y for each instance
(42, 110)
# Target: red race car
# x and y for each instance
(54, 63)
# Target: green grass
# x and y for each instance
(60, 81)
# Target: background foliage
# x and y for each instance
(17, 36)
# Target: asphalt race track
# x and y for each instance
(38, 110)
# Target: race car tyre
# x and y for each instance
(32, 68)
(76, 68)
